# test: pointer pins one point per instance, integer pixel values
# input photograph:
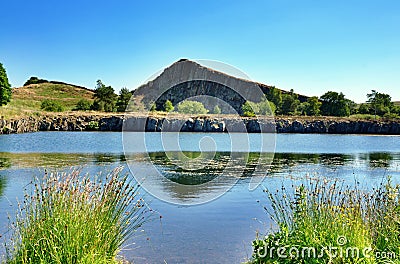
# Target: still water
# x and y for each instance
(219, 231)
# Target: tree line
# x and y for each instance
(275, 102)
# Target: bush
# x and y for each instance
(51, 106)
(321, 214)
(35, 80)
(217, 110)
(71, 218)
(83, 105)
(168, 106)
(191, 107)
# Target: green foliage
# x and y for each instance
(290, 103)
(168, 106)
(380, 103)
(335, 104)
(264, 107)
(216, 110)
(249, 109)
(105, 98)
(274, 95)
(153, 107)
(320, 212)
(123, 99)
(71, 218)
(191, 107)
(364, 109)
(51, 106)
(312, 107)
(92, 126)
(35, 80)
(5, 87)
(83, 105)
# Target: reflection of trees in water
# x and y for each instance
(2, 185)
(209, 170)
(284, 161)
(380, 159)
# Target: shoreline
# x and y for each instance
(201, 123)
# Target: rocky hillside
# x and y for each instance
(187, 79)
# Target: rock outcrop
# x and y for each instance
(197, 124)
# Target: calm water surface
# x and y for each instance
(220, 231)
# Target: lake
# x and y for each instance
(218, 230)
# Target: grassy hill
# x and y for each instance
(26, 100)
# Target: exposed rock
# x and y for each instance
(197, 124)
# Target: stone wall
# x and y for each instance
(196, 124)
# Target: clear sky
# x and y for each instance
(309, 46)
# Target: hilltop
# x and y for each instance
(26, 100)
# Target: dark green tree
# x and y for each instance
(5, 87)
(105, 98)
(83, 105)
(290, 103)
(364, 109)
(334, 104)
(313, 106)
(380, 103)
(274, 95)
(123, 99)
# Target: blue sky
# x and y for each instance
(309, 46)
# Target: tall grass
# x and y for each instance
(326, 222)
(70, 218)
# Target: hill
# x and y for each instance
(26, 100)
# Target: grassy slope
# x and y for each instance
(26, 100)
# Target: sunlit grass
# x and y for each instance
(70, 218)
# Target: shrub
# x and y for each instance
(83, 105)
(191, 107)
(51, 105)
(168, 106)
(216, 110)
(92, 126)
(35, 80)
(71, 218)
(322, 214)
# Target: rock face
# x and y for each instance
(196, 124)
(186, 79)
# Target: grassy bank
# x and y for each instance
(325, 222)
(70, 218)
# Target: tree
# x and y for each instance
(334, 104)
(290, 102)
(217, 110)
(380, 103)
(364, 109)
(5, 87)
(191, 107)
(168, 106)
(35, 80)
(313, 106)
(249, 109)
(105, 98)
(274, 95)
(83, 105)
(123, 99)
